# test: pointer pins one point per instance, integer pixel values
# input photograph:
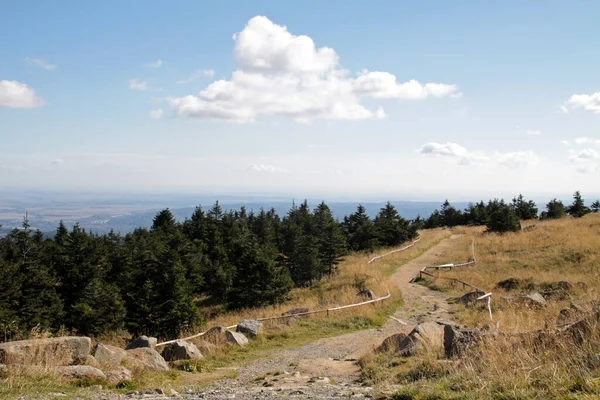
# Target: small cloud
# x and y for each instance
(585, 154)
(15, 94)
(203, 73)
(587, 140)
(40, 63)
(154, 64)
(57, 161)
(157, 114)
(565, 142)
(564, 109)
(266, 168)
(534, 132)
(589, 102)
(519, 159)
(135, 84)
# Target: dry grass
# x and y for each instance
(510, 366)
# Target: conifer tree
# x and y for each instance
(391, 228)
(524, 209)
(554, 209)
(577, 209)
(502, 218)
(359, 230)
(330, 239)
(595, 207)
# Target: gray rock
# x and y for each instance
(215, 335)
(146, 358)
(142, 341)
(81, 371)
(391, 343)
(205, 347)
(250, 327)
(53, 351)
(426, 337)
(534, 300)
(181, 350)
(117, 375)
(91, 361)
(108, 355)
(470, 298)
(236, 338)
(457, 340)
(366, 294)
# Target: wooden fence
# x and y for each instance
(394, 251)
(326, 310)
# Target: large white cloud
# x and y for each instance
(15, 94)
(513, 160)
(281, 74)
(589, 102)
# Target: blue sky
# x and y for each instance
(416, 100)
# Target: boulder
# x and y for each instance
(458, 339)
(428, 336)
(53, 351)
(181, 350)
(216, 335)
(146, 358)
(250, 327)
(117, 375)
(91, 361)
(205, 347)
(391, 343)
(108, 355)
(236, 338)
(142, 341)
(534, 300)
(366, 294)
(81, 371)
(295, 311)
(470, 298)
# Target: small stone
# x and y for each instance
(181, 350)
(146, 358)
(250, 327)
(236, 338)
(142, 341)
(81, 371)
(117, 375)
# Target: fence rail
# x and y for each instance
(394, 251)
(326, 310)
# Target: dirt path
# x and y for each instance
(309, 371)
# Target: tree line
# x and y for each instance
(499, 216)
(154, 281)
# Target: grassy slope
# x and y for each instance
(566, 249)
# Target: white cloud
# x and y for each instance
(202, 73)
(534, 132)
(57, 161)
(514, 160)
(518, 159)
(565, 142)
(154, 64)
(135, 84)
(589, 102)
(586, 160)
(40, 63)
(266, 168)
(281, 74)
(156, 114)
(383, 85)
(587, 140)
(585, 154)
(15, 94)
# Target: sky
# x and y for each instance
(399, 99)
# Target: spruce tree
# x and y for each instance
(391, 228)
(554, 209)
(331, 242)
(502, 218)
(595, 207)
(359, 230)
(577, 209)
(523, 208)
